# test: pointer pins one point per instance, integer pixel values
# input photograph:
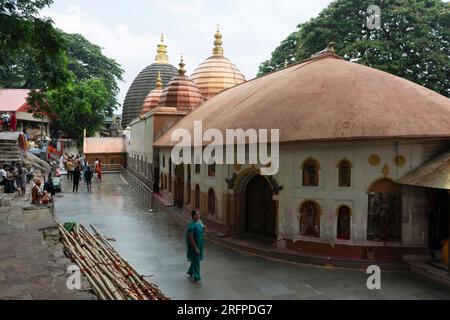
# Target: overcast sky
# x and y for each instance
(129, 31)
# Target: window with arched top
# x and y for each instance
(211, 202)
(197, 197)
(310, 212)
(343, 222)
(345, 173)
(212, 170)
(311, 169)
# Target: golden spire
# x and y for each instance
(182, 70)
(218, 49)
(162, 56)
(159, 83)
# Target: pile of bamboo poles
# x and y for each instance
(111, 277)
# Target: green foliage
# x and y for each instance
(284, 54)
(79, 105)
(31, 50)
(413, 41)
(86, 61)
(78, 83)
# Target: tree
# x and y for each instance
(31, 49)
(86, 61)
(79, 105)
(35, 55)
(284, 54)
(413, 41)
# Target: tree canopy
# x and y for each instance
(413, 41)
(79, 83)
(31, 49)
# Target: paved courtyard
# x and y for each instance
(154, 244)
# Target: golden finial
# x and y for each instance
(159, 83)
(218, 50)
(182, 70)
(162, 56)
(331, 46)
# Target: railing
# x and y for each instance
(110, 168)
(144, 192)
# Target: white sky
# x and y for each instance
(129, 31)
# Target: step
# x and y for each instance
(429, 271)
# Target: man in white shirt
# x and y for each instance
(3, 175)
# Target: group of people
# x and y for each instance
(15, 178)
(77, 169)
(8, 122)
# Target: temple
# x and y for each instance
(355, 145)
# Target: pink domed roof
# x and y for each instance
(151, 101)
(181, 93)
(326, 98)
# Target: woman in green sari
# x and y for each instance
(195, 244)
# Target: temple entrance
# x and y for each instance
(384, 221)
(438, 215)
(260, 211)
(179, 186)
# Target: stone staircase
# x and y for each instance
(9, 152)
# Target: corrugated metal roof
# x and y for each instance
(104, 145)
(433, 174)
(12, 99)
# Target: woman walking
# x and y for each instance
(195, 244)
(99, 171)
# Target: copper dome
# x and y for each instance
(152, 99)
(181, 93)
(216, 73)
(326, 98)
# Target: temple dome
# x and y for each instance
(216, 73)
(326, 98)
(181, 93)
(145, 82)
(152, 99)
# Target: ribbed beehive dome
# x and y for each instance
(145, 82)
(217, 73)
(152, 99)
(181, 93)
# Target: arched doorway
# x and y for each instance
(179, 186)
(260, 210)
(384, 221)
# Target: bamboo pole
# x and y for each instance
(110, 276)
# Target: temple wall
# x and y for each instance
(330, 196)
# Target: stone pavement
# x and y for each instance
(154, 244)
(32, 266)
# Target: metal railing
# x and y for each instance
(146, 194)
